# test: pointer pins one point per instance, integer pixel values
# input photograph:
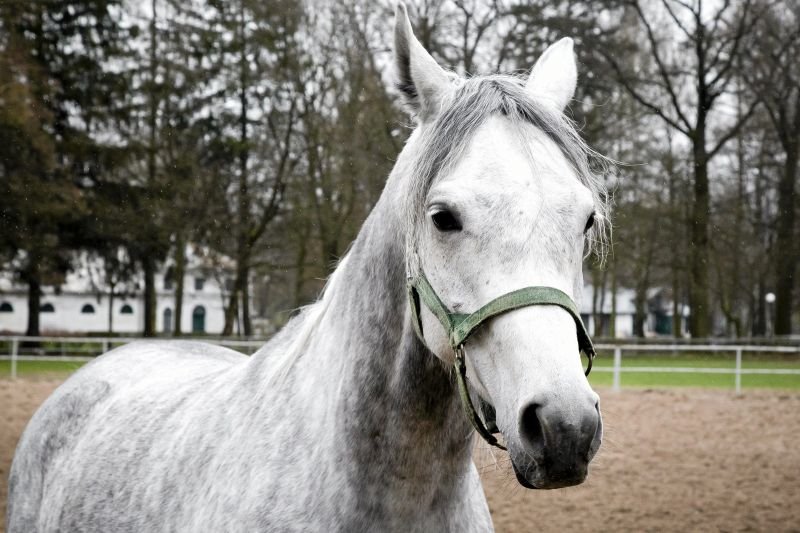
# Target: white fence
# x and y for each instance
(736, 350)
(78, 353)
(99, 345)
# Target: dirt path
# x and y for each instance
(674, 460)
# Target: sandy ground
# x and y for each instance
(672, 460)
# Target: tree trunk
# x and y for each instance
(239, 286)
(785, 246)
(759, 311)
(300, 274)
(111, 310)
(231, 311)
(34, 298)
(640, 316)
(700, 318)
(734, 296)
(674, 264)
(178, 280)
(148, 263)
(149, 267)
(612, 326)
(760, 318)
(247, 326)
(243, 235)
(677, 316)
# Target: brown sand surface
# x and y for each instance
(672, 460)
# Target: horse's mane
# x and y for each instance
(291, 342)
(475, 100)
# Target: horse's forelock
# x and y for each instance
(443, 142)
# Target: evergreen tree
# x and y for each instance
(55, 57)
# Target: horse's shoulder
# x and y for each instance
(104, 402)
(51, 432)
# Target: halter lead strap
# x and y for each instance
(460, 326)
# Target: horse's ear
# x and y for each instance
(554, 76)
(421, 81)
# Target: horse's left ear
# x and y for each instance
(422, 82)
(554, 76)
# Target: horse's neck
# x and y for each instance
(382, 359)
(393, 403)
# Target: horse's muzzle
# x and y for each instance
(557, 444)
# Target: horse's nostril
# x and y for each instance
(531, 428)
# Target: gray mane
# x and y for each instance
(472, 103)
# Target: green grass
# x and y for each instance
(688, 360)
(40, 368)
(656, 380)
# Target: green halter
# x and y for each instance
(460, 326)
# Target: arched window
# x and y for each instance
(126, 309)
(199, 319)
(167, 320)
(6, 307)
(87, 309)
(47, 308)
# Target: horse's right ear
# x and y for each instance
(421, 81)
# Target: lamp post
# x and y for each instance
(770, 299)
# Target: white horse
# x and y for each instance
(346, 420)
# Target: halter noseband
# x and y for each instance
(460, 326)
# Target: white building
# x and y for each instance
(658, 320)
(625, 312)
(81, 303)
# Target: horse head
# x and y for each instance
(502, 201)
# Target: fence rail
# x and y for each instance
(738, 349)
(94, 346)
(97, 346)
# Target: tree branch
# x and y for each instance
(677, 21)
(742, 30)
(641, 99)
(735, 129)
(278, 187)
(661, 67)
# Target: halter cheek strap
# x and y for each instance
(460, 326)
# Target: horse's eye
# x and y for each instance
(589, 223)
(445, 221)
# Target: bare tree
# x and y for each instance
(263, 54)
(688, 81)
(772, 70)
